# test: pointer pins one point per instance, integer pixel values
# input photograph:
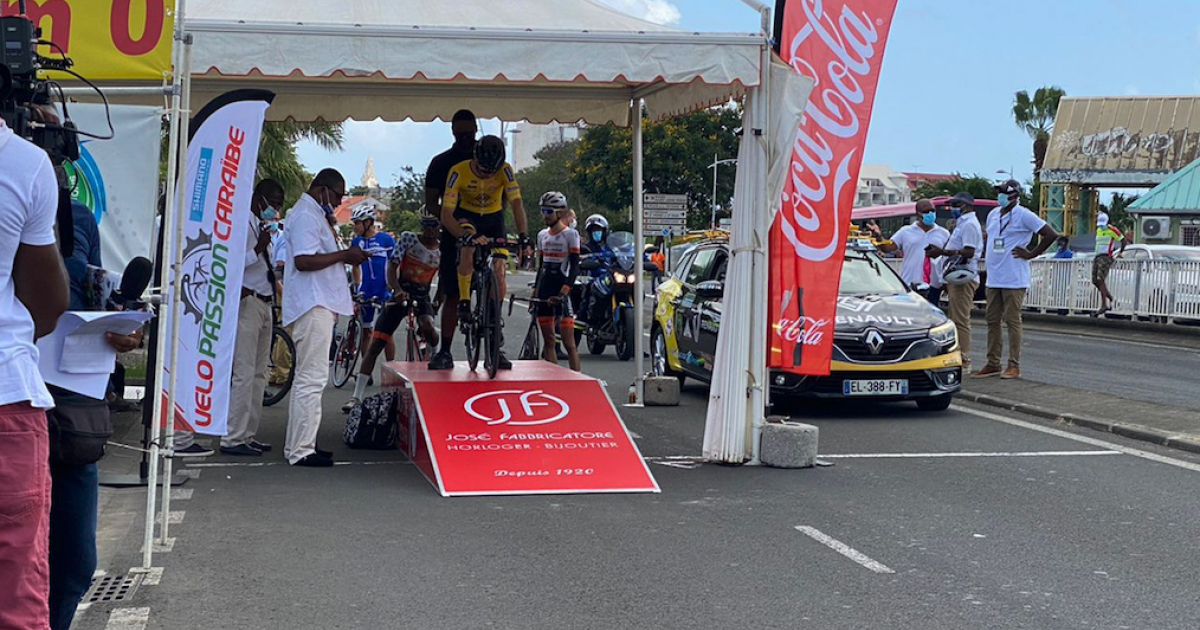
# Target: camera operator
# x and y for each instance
(33, 294)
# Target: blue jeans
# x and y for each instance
(73, 504)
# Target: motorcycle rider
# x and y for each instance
(596, 248)
(558, 248)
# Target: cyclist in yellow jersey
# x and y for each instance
(473, 212)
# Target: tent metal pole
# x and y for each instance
(121, 90)
(639, 251)
(760, 376)
(186, 98)
(169, 221)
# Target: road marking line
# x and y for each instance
(190, 474)
(175, 518)
(181, 494)
(968, 454)
(1136, 452)
(128, 619)
(153, 575)
(263, 464)
(165, 547)
(844, 549)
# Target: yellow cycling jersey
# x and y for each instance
(466, 191)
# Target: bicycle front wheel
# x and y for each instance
(474, 333)
(492, 327)
(346, 355)
(532, 345)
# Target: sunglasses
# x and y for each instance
(549, 211)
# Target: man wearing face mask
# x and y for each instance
(253, 342)
(316, 293)
(1010, 229)
(464, 127)
(914, 241)
(962, 253)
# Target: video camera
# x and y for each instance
(21, 89)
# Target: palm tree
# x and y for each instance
(1035, 116)
(277, 157)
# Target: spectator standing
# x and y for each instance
(914, 242)
(1108, 240)
(961, 256)
(465, 128)
(316, 293)
(252, 347)
(1062, 250)
(1010, 230)
(33, 294)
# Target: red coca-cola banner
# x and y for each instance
(838, 44)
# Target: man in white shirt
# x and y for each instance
(961, 256)
(250, 355)
(1010, 230)
(33, 294)
(914, 241)
(316, 291)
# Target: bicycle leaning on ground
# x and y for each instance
(345, 356)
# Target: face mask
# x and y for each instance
(270, 213)
(596, 236)
(929, 218)
(955, 213)
(574, 224)
(1002, 199)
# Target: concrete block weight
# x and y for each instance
(789, 445)
(662, 391)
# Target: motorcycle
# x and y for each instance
(604, 298)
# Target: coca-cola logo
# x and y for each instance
(830, 133)
(805, 330)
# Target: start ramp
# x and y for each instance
(536, 429)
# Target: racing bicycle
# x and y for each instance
(415, 346)
(345, 356)
(282, 362)
(484, 331)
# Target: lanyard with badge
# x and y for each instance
(998, 242)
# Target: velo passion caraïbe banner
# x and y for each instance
(214, 208)
(839, 44)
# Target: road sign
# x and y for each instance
(651, 215)
(657, 198)
(536, 429)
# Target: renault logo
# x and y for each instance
(874, 341)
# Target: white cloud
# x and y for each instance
(657, 11)
(1132, 90)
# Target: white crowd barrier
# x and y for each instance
(1163, 290)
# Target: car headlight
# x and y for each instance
(945, 335)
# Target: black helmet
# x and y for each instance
(489, 154)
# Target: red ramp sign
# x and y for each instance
(538, 429)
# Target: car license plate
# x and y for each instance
(879, 387)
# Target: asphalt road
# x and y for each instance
(1046, 532)
(1152, 368)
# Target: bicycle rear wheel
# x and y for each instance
(412, 348)
(283, 367)
(532, 345)
(492, 328)
(346, 356)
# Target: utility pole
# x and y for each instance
(712, 219)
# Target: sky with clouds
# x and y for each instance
(947, 83)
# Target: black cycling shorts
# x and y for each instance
(489, 225)
(394, 313)
(550, 286)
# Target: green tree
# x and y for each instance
(553, 172)
(1035, 116)
(277, 157)
(1118, 210)
(979, 187)
(406, 200)
(678, 152)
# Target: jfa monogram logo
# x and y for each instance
(516, 407)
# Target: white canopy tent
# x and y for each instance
(536, 60)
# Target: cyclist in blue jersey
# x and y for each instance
(371, 276)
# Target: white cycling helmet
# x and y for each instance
(959, 272)
(554, 199)
(364, 213)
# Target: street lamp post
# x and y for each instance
(712, 220)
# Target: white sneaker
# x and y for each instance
(350, 404)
